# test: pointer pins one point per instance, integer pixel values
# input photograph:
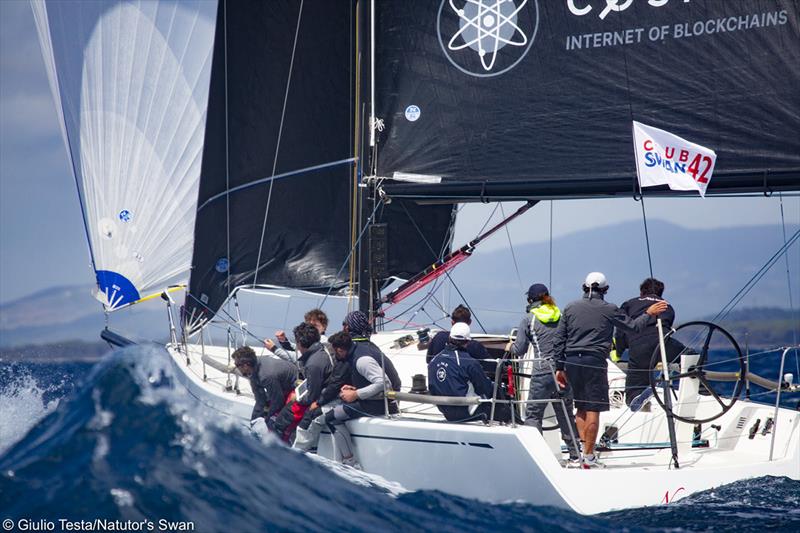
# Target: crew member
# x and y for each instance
(537, 332)
(316, 367)
(642, 345)
(285, 349)
(373, 374)
(474, 348)
(272, 380)
(313, 422)
(583, 341)
(453, 370)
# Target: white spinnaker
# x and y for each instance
(130, 81)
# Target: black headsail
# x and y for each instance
(281, 157)
(535, 99)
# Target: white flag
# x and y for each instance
(665, 159)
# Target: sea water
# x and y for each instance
(121, 446)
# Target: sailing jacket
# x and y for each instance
(271, 382)
(288, 352)
(538, 327)
(587, 327)
(452, 371)
(648, 337)
(340, 375)
(316, 366)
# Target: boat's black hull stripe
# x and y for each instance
(426, 441)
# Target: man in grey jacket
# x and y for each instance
(538, 330)
(271, 379)
(583, 342)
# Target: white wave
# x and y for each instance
(22, 405)
(359, 477)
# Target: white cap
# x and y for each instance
(595, 278)
(460, 332)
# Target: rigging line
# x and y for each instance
(227, 154)
(511, 247)
(641, 193)
(789, 286)
(646, 234)
(489, 219)
(452, 281)
(278, 144)
(422, 302)
(350, 253)
(357, 114)
(755, 278)
(550, 282)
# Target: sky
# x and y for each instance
(42, 242)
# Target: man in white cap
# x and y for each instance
(583, 341)
(453, 371)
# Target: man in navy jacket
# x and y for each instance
(453, 371)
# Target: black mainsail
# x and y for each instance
(534, 99)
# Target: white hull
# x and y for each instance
(500, 463)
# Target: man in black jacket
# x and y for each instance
(372, 375)
(582, 344)
(461, 315)
(316, 367)
(641, 345)
(313, 421)
(271, 379)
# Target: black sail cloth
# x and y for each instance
(310, 145)
(552, 117)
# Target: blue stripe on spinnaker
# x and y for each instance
(118, 289)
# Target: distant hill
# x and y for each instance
(763, 326)
(71, 313)
(702, 270)
(61, 351)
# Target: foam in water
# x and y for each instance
(22, 405)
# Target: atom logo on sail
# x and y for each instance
(487, 37)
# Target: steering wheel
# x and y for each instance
(695, 338)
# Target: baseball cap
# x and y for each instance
(460, 332)
(597, 279)
(536, 291)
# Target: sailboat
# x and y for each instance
(326, 146)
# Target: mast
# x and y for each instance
(367, 286)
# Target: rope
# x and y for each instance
(511, 247)
(354, 207)
(646, 234)
(447, 273)
(641, 193)
(550, 279)
(227, 158)
(789, 286)
(755, 278)
(278, 144)
(350, 253)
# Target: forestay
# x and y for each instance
(130, 82)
